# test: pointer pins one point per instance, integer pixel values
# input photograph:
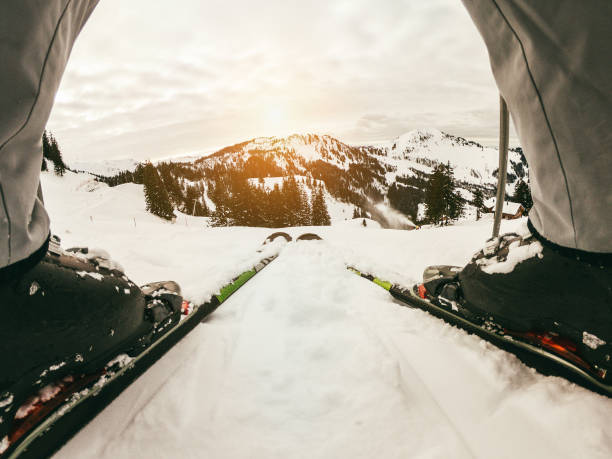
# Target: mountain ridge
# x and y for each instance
(357, 176)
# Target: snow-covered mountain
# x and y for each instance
(472, 162)
(373, 180)
(418, 150)
(394, 173)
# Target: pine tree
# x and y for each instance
(259, 206)
(293, 201)
(320, 215)
(276, 213)
(478, 202)
(156, 197)
(171, 184)
(434, 196)
(522, 194)
(305, 208)
(442, 202)
(240, 201)
(221, 215)
(58, 165)
(51, 152)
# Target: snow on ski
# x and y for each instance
(545, 352)
(309, 360)
(58, 411)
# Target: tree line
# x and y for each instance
(240, 198)
(238, 201)
(52, 154)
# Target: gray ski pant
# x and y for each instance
(552, 61)
(36, 37)
(550, 58)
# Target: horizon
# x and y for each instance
(487, 143)
(164, 82)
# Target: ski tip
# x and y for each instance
(272, 237)
(309, 237)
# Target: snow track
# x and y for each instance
(308, 360)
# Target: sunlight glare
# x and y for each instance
(275, 116)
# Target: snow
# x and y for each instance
(472, 163)
(4, 444)
(96, 276)
(517, 254)
(309, 360)
(105, 167)
(508, 208)
(591, 340)
(392, 218)
(358, 223)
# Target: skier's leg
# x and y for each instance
(550, 59)
(36, 37)
(63, 312)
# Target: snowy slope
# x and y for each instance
(472, 162)
(106, 167)
(417, 149)
(308, 360)
(295, 151)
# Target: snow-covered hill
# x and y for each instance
(308, 360)
(106, 167)
(392, 174)
(293, 152)
(418, 149)
(472, 162)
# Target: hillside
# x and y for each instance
(372, 181)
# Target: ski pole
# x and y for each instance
(504, 127)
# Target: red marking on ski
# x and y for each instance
(422, 291)
(41, 410)
(563, 347)
(185, 307)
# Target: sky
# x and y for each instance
(155, 79)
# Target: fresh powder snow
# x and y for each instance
(308, 360)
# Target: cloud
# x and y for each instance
(152, 79)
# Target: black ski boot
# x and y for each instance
(535, 291)
(68, 313)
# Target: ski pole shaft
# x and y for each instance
(504, 127)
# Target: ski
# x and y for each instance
(58, 411)
(547, 352)
(309, 237)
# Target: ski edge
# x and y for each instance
(409, 297)
(131, 371)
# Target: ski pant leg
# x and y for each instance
(36, 37)
(552, 62)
